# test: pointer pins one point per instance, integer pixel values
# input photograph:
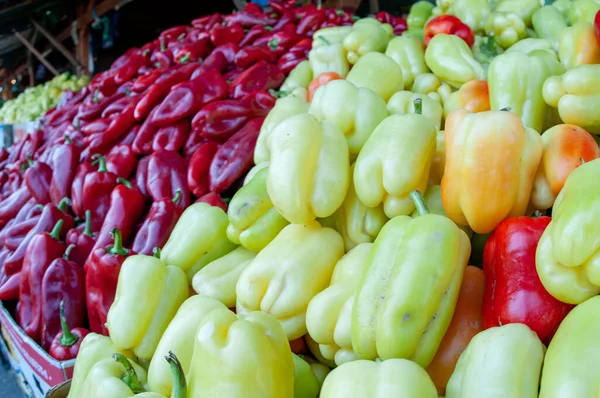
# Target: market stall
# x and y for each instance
(295, 201)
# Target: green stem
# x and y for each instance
(55, 234)
(491, 45)
(117, 247)
(39, 206)
(77, 124)
(418, 106)
(68, 338)
(185, 58)
(419, 202)
(96, 96)
(64, 202)
(130, 377)
(582, 161)
(324, 40)
(506, 109)
(30, 161)
(101, 161)
(163, 46)
(88, 224)
(179, 384)
(125, 182)
(156, 252)
(177, 196)
(68, 251)
(67, 139)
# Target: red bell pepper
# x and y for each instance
(193, 52)
(37, 178)
(101, 275)
(16, 233)
(260, 77)
(65, 158)
(597, 27)
(94, 105)
(185, 99)
(82, 171)
(158, 225)
(248, 56)
(141, 175)
(311, 22)
(235, 157)
(97, 187)
(220, 34)
(121, 160)
(208, 22)
(143, 82)
(130, 69)
(254, 34)
(213, 199)
(171, 138)
(254, 9)
(398, 24)
(215, 61)
(174, 32)
(157, 93)
(122, 60)
(280, 42)
(298, 53)
(118, 106)
(248, 20)
(82, 239)
(142, 143)
(162, 58)
(166, 176)
(450, 25)
(41, 251)
(63, 285)
(282, 6)
(96, 126)
(31, 143)
(66, 344)
(288, 17)
(128, 138)
(513, 290)
(198, 169)
(10, 206)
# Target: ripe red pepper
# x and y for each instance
(97, 187)
(163, 57)
(41, 251)
(141, 175)
(450, 25)
(206, 23)
(280, 42)
(63, 285)
(597, 27)
(66, 344)
(96, 126)
(9, 285)
(37, 178)
(198, 169)
(248, 20)
(101, 275)
(11, 205)
(255, 32)
(130, 69)
(513, 290)
(174, 32)
(234, 158)
(64, 160)
(260, 77)
(94, 105)
(142, 143)
(122, 60)
(192, 52)
(185, 99)
(143, 82)
(158, 225)
(295, 55)
(31, 143)
(248, 56)
(213, 199)
(311, 22)
(64, 114)
(254, 9)
(157, 93)
(82, 239)
(129, 137)
(282, 6)
(215, 61)
(118, 106)
(82, 171)
(288, 17)
(171, 138)
(220, 34)
(166, 176)
(121, 160)
(16, 233)
(398, 24)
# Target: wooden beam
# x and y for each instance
(35, 52)
(58, 45)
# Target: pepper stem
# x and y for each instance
(101, 161)
(506, 109)
(123, 181)
(68, 338)
(117, 247)
(96, 98)
(55, 234)
(582, 161)
(156, 252)
(163, 46)
(185, 58)
(64, 202)
(29, 161)
(68, 251)
(67, 139)
(179, 384)
(324, 40)
(88, 224)
(491, 44)
(130, 377)
(177, 196)
(418, 106)
(419, 201)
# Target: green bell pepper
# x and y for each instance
(419, 14)
(409, 53)
(549, 23)
(583, 11)
(529, 45)
(523, 8)
(300, 76)
(306, 384)
(473, 13)
(506, 27)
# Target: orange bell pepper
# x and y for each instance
(491, 161)
(466, 322)
(473, 96)
(565, 147)
(321, 80)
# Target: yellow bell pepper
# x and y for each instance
(309, 170)
(395, 160)
(198, 238)
(284, 108)
(409, 53)
(392, 317)
(578, 46)
(567, 254)
(451, 59)
(433, 199)
(439, 160)
(253, 221)
(115, 377)
(377, 72)
(403, 102)
(329, 58)
(576, 94)
(218, 279)
(179, 338)
(288, 273)
(390, 378)
(474, 96)
(147, 298)
(502, 361)
(333, 35)
(426, 83)
(329, 313)
(244, 355)
(366, 35)
(300, 76)
(572, 362)
(491, 160)
(362, 111)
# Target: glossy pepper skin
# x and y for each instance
(37, 178)
(597, 27)
(473, 13)
(97, 187)
(282, 278)
(571, 50)
(409, 53)
(266, 370)
(392, 377)
(448, 24)
(565, 145)
(403, 103)
(473, 96)
(576, 95)
(65, 158)
(76, 196)
(514, 152)
(481, 369)
(67, 343)
(548, 23)
(524, 9)
(582, 11)
(9, 207)
(377, 72)
(82, 239)
(115, 377)
(166, 176)
(366, 35)
(565, 254)
(157, 226)
(329, 58)
(507, 28)
(260, 76)
(514, 292)
(121, 160)
(450, 58)
(199, 166)
(571, 364)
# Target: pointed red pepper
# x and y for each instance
(171, 138)
(143, 82)
(16, 233)
(166, 176)
(121, 160)
(64, 161)
(157, 92)
(288, 17)
(208, 22)
(197, 173)
(255, 32)
(82, 239)
(233, 33)
(130, 69)
(248, 20)
(97, 187)
(10, 206)
(279, 42)
(118, 106)
(311, 22)
(295, 55)
(96, 126)
(66, 344)
(37, 178)
(248, 56)
(193, 52)
(215, 61)
(141, 175)
(142, 143)
(82, 171)
(9, 285)
(262, 76)
(94, 105)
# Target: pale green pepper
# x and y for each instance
(116, 377)
(523, 8)
(332, 35)
(377, 72)
(306, 384)
(473, 13)
(549, 23)
(409, 53)
(331, 58)
(419, 14)
(583, 11)
(529, 45)
(426, 83)
(485, 49)
(367, 35)
(562, 6)
(300, 76)
(403, 103)
(506, 27)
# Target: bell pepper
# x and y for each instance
(508, 188)
(197, 239)
(506, 27)
(199, 166)
(37, 178)
(67, 343)
(97, 187)
(300, 76)
(466, 323)
(565, 147)
(549, 23)
(329, 313)
(474, 96)
(450, 25)
(378, 319)
(366, 35)
(562, 6)
(472, 13)
(41, 251)
(65, 158)
(481, 369)
(82, 239)
(328, 36)
(302, 183)
(297, 265)
(392, 377)
(571, 364)
(450, 58)
(179, 338)
(364, 110)
(166, 176)
(409, 53)
(306, 384)
(515, 81)
(260, 76)
(582, 11)
(577, 46)
(115, 377)
(576, 95)
(403, 103)
(419, 14)
(253, 221)
(248, 56)
(158, 225)
(408, 142)
(329, 58)
(121, 160)
(319, 81)
(76, 196)
(523, 8)
(433, 200)
(157, 92)
(13, 234)
(377, 72)
(218, 279)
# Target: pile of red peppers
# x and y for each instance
(112, 167)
